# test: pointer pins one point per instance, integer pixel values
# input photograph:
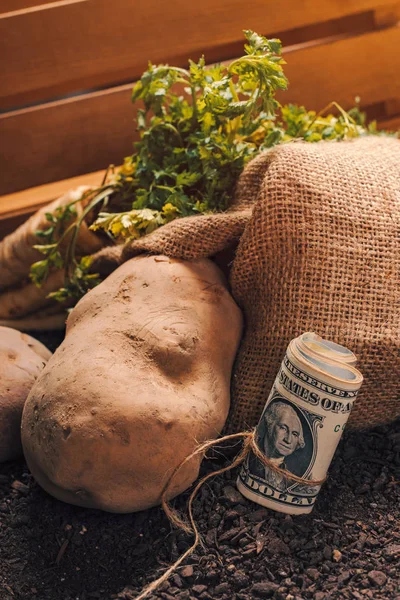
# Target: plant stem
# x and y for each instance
(195, 115)
(70, 254)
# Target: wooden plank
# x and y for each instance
(12, 205)
(16, 208)
(97, 43)
(14, 6)
(383, 111)
(84, 134)
(344, 69)
(64, 139)
(390, 124)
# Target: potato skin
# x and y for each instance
(141, 378)
(22, 359)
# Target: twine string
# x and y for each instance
(249, 445)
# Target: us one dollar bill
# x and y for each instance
(301, 425)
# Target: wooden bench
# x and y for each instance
(67, 69)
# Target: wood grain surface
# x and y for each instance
(82, 45)
(16, 208)
(83, 134)
(10, 7)
(63, 139)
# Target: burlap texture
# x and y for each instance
(319, 250)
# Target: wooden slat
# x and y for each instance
(8, 6)
(390, 124)
(80, 135)
(12, 205)
(97, 42)
(65, 138)
(366, 66)
(16, 208)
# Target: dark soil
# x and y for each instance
(349, 547)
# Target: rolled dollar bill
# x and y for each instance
(301, 425)
(314, 345)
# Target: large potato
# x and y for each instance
(142, 377)
(22, 359)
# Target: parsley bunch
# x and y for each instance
(193, 131)
(198, 129)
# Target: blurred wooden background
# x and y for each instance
(67, 67)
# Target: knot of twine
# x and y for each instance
(249, 445)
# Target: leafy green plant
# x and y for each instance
(198, 129)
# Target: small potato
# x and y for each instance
(142, 377)
(22, 359)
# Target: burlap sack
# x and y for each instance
(319, 250)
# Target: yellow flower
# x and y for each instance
(128, 167)
(169, 209)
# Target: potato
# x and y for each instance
(22, 358)
(141, 378)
